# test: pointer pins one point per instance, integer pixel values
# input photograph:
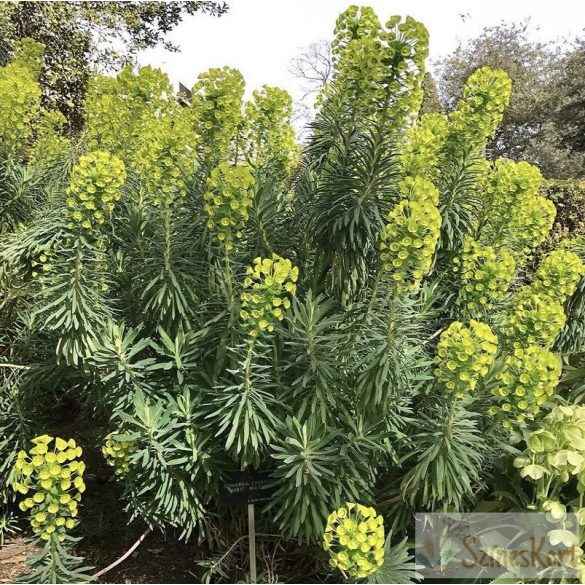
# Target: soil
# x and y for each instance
(12, 558)
(155, 561)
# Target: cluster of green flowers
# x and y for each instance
(51, 475)
(354, 537)
(377, 68)
(530, 222)
(162, 158)
(20, 103)
(410, 237)
(518, 216)
(264, 298)
(485, 275)
(227, 200)
(534, 319)
(118, 108)
(29, 54)
(423, 143)
(117, 453)
(50, 142)
(485, 96)
(406, 47)
(270, 136)
(464, 356)
(558, 274)
(528, 379)
(216, 109)
(509, 181)
(94, 188)
(356, 60)
(42, 265)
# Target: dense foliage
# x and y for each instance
(361, 317)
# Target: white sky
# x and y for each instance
(259, 37)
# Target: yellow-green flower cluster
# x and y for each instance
(19, 106)
(485, 275)
(420, 153)
(410, 237)
(406, 45)
(49, 143)
(118, 108)
(511, 180)
(162, 160)
(51, 476)
(216, 109)
(94, 188)
(227, 201)
(534, 319)
(508, 183)
(528, 379)
(29, 54)
(558, 274)
(485, 97)
(270, 136)
(268, 285)
(377, 69)
(117, 453)
(357, 60)
(464, 356)
(518, 217)
(530, 222)
(41, 265)
(354, 537)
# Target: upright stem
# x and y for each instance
(168, 240)
(248, 364)
(230, 294)
(391, 300)
(54, 564)
(366, 313)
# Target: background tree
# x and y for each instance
(431, 101)
(313, 67)
(82, 36)
(566, 100)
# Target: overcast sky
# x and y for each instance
(259, 37)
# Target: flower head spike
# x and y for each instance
(117, 453)
(227, 201)
(94, 188)
(528, 380)
(354, 538)
(464, 356)
(411, 234)
(51, 475)
(267, 290)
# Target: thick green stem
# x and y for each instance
(230, 298)
(392, 302)
(54, 564)
(168, 256)
(248, 364)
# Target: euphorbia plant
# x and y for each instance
(360, 319)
